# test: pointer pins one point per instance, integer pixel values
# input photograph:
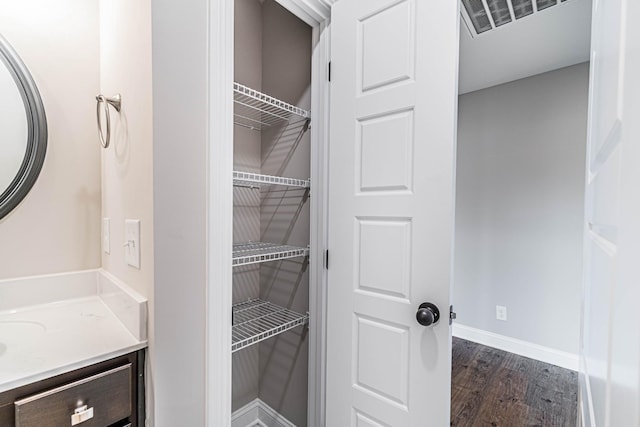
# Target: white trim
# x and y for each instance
(247, 416)
(513, 345)
(313, 12)
(258, 413)
(219, 201)
(582, 410)
(318, 233)
(585, 396)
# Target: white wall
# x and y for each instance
(127, 164)
(180, 54)
(57, 227)
(519, 207)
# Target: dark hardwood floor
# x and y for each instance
(491, 387)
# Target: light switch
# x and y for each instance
(106, 235)
(132, 242)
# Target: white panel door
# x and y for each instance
(610, 347)
(392, 164)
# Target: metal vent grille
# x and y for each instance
(481, 16)
(543, 4)
(499, 12)
(522, 8)
(477, 15)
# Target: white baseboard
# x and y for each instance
(258, 414)
(512, 345)
(247, 416)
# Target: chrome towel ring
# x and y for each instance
(116, 102)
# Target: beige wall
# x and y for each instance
(57, 227)
(127, 164)
(74, 50)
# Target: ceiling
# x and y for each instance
(550, 39)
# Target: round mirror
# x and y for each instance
(23, 130)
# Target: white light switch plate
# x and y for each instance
(106, 235)
(132, 242)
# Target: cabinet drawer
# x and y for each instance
(107, 397)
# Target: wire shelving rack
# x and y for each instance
(257, 252)
(255, 110)
(256, 180)
(256, 320)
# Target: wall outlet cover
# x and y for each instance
(501, 312)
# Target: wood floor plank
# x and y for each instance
(491, 387)
(507, 395)
(463, 353)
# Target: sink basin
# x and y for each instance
(19, 333)
(17, 339)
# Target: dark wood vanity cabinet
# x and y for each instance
(107, 394)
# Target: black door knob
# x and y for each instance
(427, 314)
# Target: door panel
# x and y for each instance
(385, 57)
(607, 20)
(392, 157)
(610, 347)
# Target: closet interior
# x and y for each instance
(271, 220)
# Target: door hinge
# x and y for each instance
(452, 315)
(326, 259)
(329, 71)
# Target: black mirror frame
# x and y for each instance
(36, 135)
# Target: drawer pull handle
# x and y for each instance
(81, 415)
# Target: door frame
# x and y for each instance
(316, 13)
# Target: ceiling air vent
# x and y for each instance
(481, 16)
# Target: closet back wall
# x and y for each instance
(57, 226)
(519, 207)
(273, 55)
(286, 73)
(246, 201)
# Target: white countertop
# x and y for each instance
(48, 339)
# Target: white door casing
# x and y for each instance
(610, 344)
(391, 210)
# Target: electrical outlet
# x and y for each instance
(106, 235)
(501, 312)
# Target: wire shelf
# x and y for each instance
(257, 252)
(255, 110)
(256, 180)
(256, 320)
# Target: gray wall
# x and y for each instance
(246, 202)
(286, 74)
(273, 55)
(519, 207)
